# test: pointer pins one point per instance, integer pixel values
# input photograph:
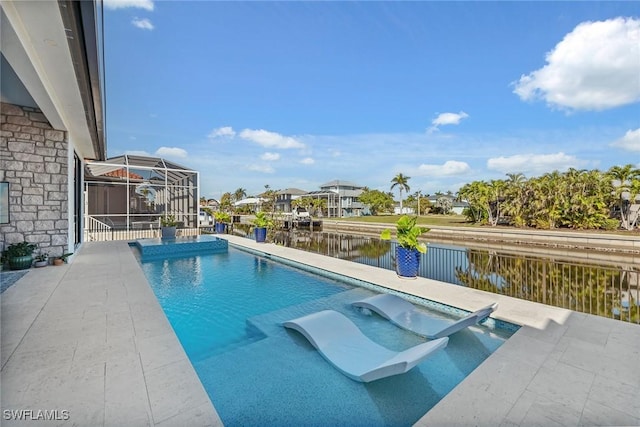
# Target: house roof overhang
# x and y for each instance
(53, 49)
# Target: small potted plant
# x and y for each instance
(222, 219)
(168, 230)
(42, 260)
(19, 255)
(59, 260)
(408, 249)
(261, 223)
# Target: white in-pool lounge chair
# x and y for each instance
(404, 314)
(343, 345)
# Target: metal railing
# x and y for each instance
(98, 231)
(605, 290)
(95, 226)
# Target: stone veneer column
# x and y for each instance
(34, 160)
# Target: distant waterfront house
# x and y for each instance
(285, 197)
(406, 210)
(457, 206)
(52, 118)
(134, 192)
(342, 198)
(250, 204)
(212, 204)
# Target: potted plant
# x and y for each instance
(408, 249)
(59, 260)
(222, 219)
(19, 255)
(168, 230)
(261, 223)
(42, 260)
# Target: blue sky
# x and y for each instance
(295, 94)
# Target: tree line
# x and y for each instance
(578, 199)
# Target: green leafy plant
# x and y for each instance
(62, 258)
(19, 249)
(262, 220)
(42, 256)
(168, 221)
(65, 256)
(407, 233)
(222, 217)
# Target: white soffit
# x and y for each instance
(34, 42)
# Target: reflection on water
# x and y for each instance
(603, 290)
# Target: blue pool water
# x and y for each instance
(227, 310)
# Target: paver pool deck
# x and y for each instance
(90, 338)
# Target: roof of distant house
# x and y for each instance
(292, 191)
(340, 183)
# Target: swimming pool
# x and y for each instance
(227, 311)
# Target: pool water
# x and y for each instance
(227, 310)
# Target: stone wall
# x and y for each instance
(34, 160)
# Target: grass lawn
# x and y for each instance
(446, 220)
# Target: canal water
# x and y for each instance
(607, 287)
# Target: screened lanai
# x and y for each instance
(134, 192)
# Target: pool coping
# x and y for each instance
(93, 332)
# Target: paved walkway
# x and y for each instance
(90, 338)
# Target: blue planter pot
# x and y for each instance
(168, 232)
(407, 262)
(220, 227)
(261, 234)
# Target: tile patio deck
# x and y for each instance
(91, 338)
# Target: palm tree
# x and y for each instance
(239, 194)
(626, 177)
(401, 182)
(515, 198)
(226, 202)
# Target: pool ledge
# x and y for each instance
(561, 367)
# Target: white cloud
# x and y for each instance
(222, 131)
(595, 67)
(261, 168)
(171, 152)
(449, 168)
(447, 119)
(307, 161)
(270, 139)
(124, 4)
(630, 141)
(144, 23)
(270, 156)
(534, 163)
